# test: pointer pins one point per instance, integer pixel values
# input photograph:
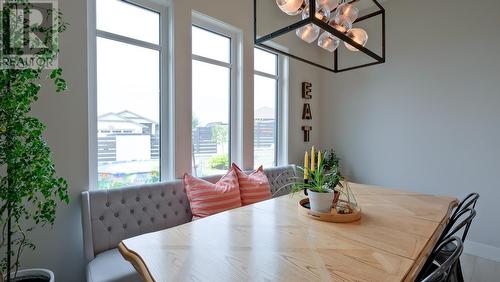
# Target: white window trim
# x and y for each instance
(282, 103)
(167, 163)
(277, 92)
(236, 121)
(283, 108)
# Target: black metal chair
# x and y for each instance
(460, 221)
(442, 271)
(468, 202)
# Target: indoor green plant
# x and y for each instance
(323, 183)
(320, 184)
(332, 164)
(29, 187)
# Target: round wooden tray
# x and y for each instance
(333, 216)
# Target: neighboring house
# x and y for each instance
(153, 126)
(119, 132)
(113, 124)
(265, 127)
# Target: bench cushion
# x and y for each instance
(110, 216)
(281, 179)
(110, 266)
(118, 214)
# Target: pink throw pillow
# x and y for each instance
(254, 187)
(207, 198)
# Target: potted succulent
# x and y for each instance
(320, 182)
(29, 188)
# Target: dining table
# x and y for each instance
(272, 241)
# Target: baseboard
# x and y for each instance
(482, 250)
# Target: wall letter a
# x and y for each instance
(306, 111)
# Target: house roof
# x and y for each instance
(135, 117)
(115, 118)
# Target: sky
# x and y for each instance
(128, 76)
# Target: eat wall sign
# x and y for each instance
(306, 109)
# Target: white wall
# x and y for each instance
(429, 119)
(66, 116)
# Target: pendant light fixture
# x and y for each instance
(328, 24)
(290, 7)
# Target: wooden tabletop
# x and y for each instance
(271, 241)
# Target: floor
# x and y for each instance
(476, 269)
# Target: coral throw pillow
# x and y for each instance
(254, 187)
(207, 198)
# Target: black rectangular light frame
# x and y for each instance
(312, 19)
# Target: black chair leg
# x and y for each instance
(455, 274)
(460, 276)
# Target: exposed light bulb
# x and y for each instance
(359, 36)
(308, 33)
(347, 12)
(330, 5)
(328, 42)
(340, 24)
(290, 7)
(321, 14)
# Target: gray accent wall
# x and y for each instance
(429, 119)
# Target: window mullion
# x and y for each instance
(266, 75)
(211, 61)
(127, 40)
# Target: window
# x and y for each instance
(129, 88)
(266, 89)
(212, 80)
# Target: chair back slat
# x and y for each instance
(468, 202)
(469, 215)
(442, 271)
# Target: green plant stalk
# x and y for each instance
(8, 139)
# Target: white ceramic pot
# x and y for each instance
(26, 274)
(321, 202)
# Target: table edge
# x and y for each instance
(141, 267)
(426, 251)
(136, 261)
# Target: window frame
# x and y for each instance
(277, 78)
(282, 103)
(235, 121)
(166, 110)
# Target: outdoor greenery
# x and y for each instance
(219, 135)
(195, 123)
(112, 181)
(29, 188)
(219, 162)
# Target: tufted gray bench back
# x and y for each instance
(110, 216)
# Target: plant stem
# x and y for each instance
(8, 237)
(8, 142)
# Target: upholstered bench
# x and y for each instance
(110, 216)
